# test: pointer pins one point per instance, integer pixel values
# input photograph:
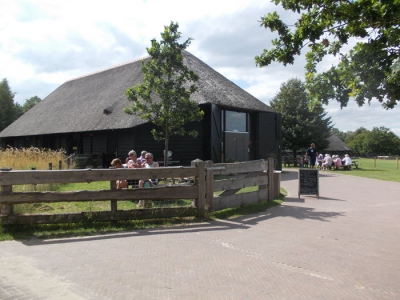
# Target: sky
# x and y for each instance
(44, 43)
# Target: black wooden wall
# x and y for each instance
(265, 138)
(270, 137)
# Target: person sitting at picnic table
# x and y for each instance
(132, 163)
(120, 184)
(150, 163)
(320, 160)
(142, 158)
(337, 161)
(346, 160)
(327, 163)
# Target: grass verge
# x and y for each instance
(51, 231)
(375, 169)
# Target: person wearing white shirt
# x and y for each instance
(346, 160)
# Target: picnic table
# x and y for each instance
(348, 167)
(287, 161)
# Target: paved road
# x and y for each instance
(344, 245)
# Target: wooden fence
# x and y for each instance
(208, 179)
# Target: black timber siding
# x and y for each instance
(265, 140)
(269, 137)
(216, 137)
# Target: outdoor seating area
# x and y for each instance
(298, 161)
(323, 162)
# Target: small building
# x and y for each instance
(85, 116)
(337, 146)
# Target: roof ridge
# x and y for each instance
(109, 68)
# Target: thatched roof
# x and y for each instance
(96, 101)
(337, 145)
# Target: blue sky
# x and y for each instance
(44, 43)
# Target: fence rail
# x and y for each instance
(208, 179)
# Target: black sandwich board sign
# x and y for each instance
(308, 182)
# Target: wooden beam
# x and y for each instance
(90, 175)
(103, 216)
(241, 167)
(169, 192)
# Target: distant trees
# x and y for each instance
(300, 126)
(340, 134)
(10, 111)
(29, 103)
(7, 106)
(378, 141)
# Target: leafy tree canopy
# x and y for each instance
(29, 103)
(7, 107)
(164, 96)
(378, 141)
(372, 67)
(300, 126)
(340, 134)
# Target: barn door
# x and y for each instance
(236, 146)
(269, 136)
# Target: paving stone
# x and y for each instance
(344, 245)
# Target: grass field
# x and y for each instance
(376, 169)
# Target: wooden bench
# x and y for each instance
(345, 167)
(289, 161)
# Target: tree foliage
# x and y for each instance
(10, 111)
(29, 103)
(7, 107)
(372, 67)
(300, 126)
(378, 141)
(164, 96)
(340, 134)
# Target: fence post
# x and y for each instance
(270, 178)
(209, 186)
(200, 181)
(113, 186)
(6, 209)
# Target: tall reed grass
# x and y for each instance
(28, 158)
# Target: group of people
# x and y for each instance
(325, 162)
(146, 160)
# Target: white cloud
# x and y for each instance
(44, 43)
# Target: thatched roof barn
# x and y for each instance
(85, 115)
(337, 146)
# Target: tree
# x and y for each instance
(382, 141)
(356, 140)
(379, 141)
(7, 107)
(300, 126)
(340, 134)
(372, 67)
(164, 96)
(29, 103)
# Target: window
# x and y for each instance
(235, 121)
